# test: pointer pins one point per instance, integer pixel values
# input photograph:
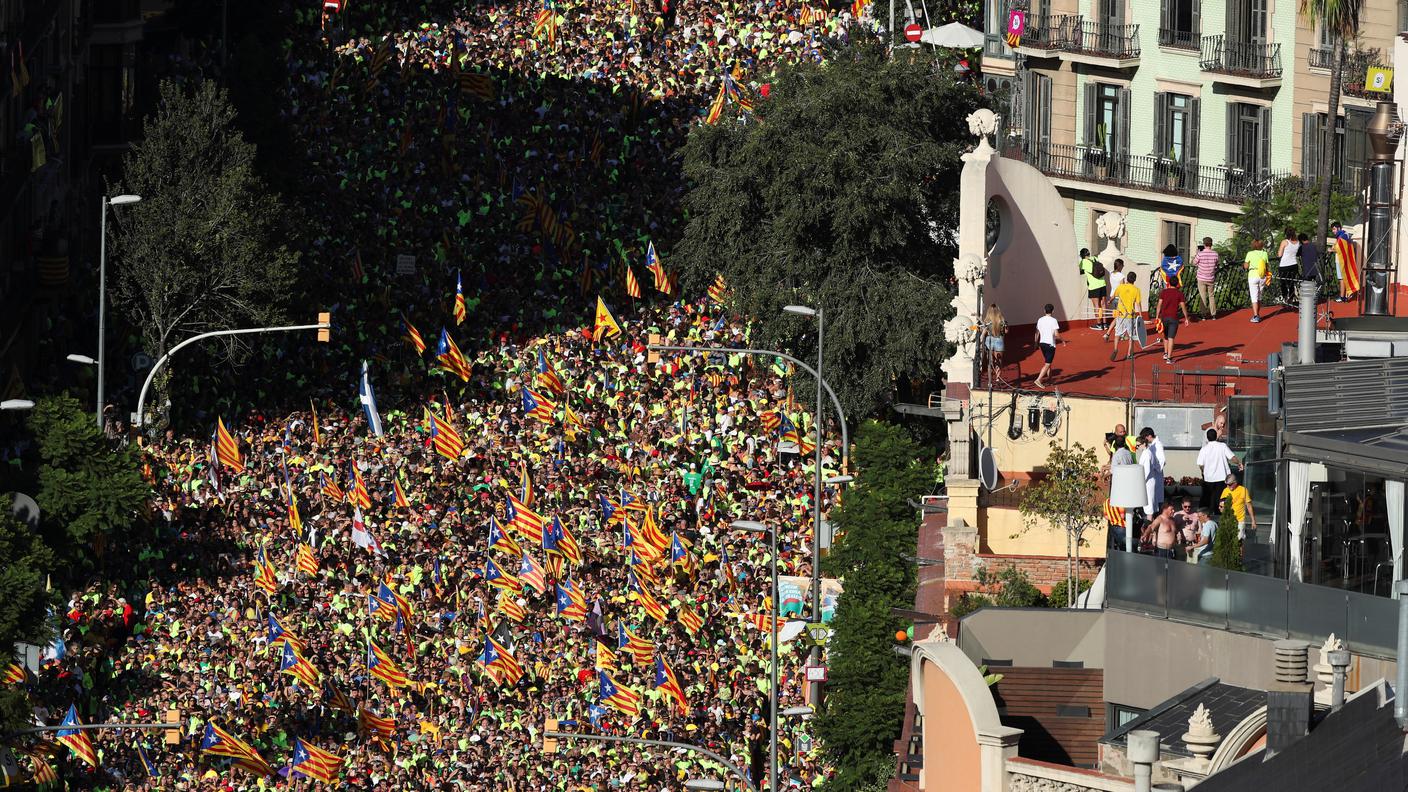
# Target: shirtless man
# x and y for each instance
(1162, 533)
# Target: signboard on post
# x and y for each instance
(405, 265)
(912, 32)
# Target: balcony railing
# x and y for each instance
(1356, 67)
(1249, 603)
(1322, 58)
(1178, 39)
(1049, 32)
(1144, 172)
(1240, 58)
(1101, 38)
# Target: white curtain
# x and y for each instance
(1300, 497)
(1393, 497)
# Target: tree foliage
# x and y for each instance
(89, 491)
(1003, 587)
(25, 563)
(842, 192)
(1226, 544)
(201, 251)
(1069, 498)
(866, 687)
(1341, 19)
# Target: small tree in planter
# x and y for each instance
(1226, 544)
(1070, 498)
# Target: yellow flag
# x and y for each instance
(605, 323)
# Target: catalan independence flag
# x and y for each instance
(298, 667)
(398, 495)
(646, 600)
(310, 761)
(547, 378)
(666, 682)
(509, 607)
(632, 283)
(330, 488)
(458, 310)
(378, 608)
(381, 666)
(536, 405)
(450, 357)
(530, 572)
(76, 739)
(277, 635)
(691, 620)
(219, 742)
(718, 290)
(337, 699)
(716, 108)
(524, 520)
(446, 440)
(500, 663)
(557, 540)
(378, 727)
(306, 561)
(656, 268)
(495, 576)
(571, 605)
(227, 449)
(1348, 259)
(413, 336)
(500, 540)
(264, 576)
(618, 696)
(14, 674)
(637, 647)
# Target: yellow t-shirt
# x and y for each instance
(1256, 263)
(1238, 495)
(1126, 300)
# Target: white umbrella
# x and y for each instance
(955, 35)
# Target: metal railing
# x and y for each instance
(1102, 38)
(1049, 32)
(1149, 172)
(1356, 67)
(1247, 603)
(1178, 39)
(1239, 57)
(1322, 58)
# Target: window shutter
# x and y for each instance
(1044, 85)
(1162, 143)
(1165, 22)
(1121, 143)
(1264, 131)
(1193, 130)
(1234, 154)
(1090, 111)
(1197, 22)
(1310, 145)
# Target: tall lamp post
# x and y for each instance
(815, 657)
(754, 526)
(116, 200)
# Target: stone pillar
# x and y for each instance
(995, 747)
(970, 268)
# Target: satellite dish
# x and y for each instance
(987, 468)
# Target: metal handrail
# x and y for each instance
(1239, 57)
(1145, 171)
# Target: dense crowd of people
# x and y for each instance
(533, 158)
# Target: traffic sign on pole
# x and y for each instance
(912, 32)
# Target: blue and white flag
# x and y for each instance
(369, 402)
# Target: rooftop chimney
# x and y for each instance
(1289, 699)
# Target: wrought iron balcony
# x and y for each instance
(1322, 58)
(1103, 39)
(1142, 172)
(1048, 31)
(1240, 58)
(1178, 39)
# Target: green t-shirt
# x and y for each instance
(1256, 263)
(1087, 268)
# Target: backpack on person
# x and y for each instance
(1097, 269)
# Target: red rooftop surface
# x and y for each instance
(1213, 358)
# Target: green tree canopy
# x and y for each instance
(1070, 498)
(25, 563)
(89, 491)
(201, 251)
(841, 192)
(866, 688)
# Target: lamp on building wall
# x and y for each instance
(1127, 492)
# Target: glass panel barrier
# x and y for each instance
(1317, 611)
(1197, 593)
(1373, 625)
(1258, 605)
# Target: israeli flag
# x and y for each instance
(369, 402)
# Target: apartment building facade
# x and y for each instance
(1174, 112)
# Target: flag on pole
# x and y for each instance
(381, 728)
(310, 761)
(570, 603)
(317, 434)
(716, 108)
(219, 742)
(361, 536)
(451, 358)
(605, 325)
(656, 268)
(535, 405)
(509, 607)
(77, 740)
(399, 495)
(330, 488)
(337, 699)
(691, 620)
(306, 560)
(637, 647)
(14, 674)
(524, 520)
(446, 440)
(368, 399)
(604, 658)
(147, 764)
(547, 378)
(667, 683)
(618, 696)
(264, 576)
(296, 666)
(227, 449)
(557, 539)
(459, 310)
(278, 635)
(361, 498)
(525, 484)
(381, 609)
(381, 666)
(632, 285)
(495, 576)
(500, 662)
(500, 540)
(718, 290)
(530, 572)
(413, 336)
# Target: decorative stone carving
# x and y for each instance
(982, 122)
(1016, 782)
(1200, 738)
(1110, 227)
(1324, 672)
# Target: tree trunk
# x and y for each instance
(1073, 586)
(1068, 568)
(1330, 151)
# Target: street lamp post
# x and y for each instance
(757, 527)
(815, 657)
(116, 200)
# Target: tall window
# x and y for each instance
(1248, 138)
(1176, 127)
(1107, 118)
(1352, 153)
(1179, 24)
(1180, 235)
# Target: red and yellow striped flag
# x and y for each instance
(227, 449)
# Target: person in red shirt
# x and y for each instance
(1171, 301)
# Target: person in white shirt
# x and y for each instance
(1153, 459)
(1213, 459)
(1048, 333)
